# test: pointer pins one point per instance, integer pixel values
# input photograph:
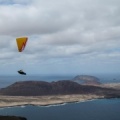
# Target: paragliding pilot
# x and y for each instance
(21, 43)
(21, 72)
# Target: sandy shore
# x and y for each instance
(111, 85)
(7, 101)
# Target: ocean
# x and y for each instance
(100, 109)
(103, 109)
(6, 80)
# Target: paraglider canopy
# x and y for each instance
(21, 43)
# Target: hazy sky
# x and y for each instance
(65, 36)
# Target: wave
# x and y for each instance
(23, 106)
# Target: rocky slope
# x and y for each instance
(86, 80)
(64, 87)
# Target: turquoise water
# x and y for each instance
(103, 109)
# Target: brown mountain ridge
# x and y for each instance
(63, 87)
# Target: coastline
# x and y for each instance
(11, 101)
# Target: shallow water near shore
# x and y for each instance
(100, 109)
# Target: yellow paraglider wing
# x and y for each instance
(21, 43)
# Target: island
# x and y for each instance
(57, 92)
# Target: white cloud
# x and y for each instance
(60, 32)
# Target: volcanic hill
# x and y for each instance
(63, 87)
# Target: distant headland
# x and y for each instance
(87, 80)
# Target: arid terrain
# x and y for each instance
(112, 85)
(6, 101)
